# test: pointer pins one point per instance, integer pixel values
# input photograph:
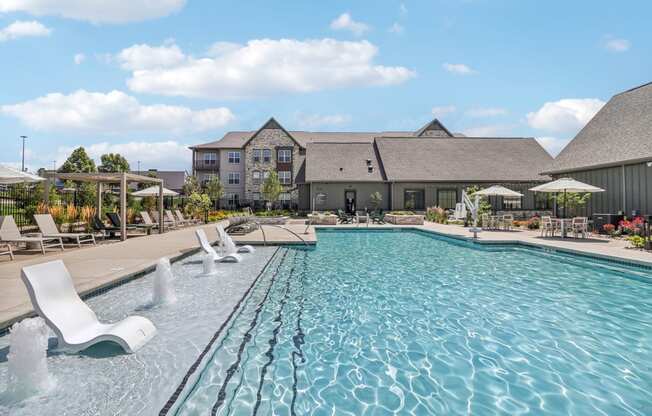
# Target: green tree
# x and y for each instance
(375, 199)
(198, 204)
(191, 185)
(78, 162)
(571, 200)
(271, 189)
(114, 163)
(215, 190)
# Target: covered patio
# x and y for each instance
(122, 179)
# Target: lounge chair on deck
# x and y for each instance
(55, 299)
(115, 220)
(171, 219)
(49, 229)
(105, 231)
(150, 219)
(9, 233)
(5, 249)
(227, 241)
(344, 218)
(208, 249)
(181, 218)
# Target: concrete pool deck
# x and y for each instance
(106, 264)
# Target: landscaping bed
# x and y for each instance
(404, 218)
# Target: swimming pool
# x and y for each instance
(404, 322)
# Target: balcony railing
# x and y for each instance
(201, 165)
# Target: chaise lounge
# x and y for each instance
(9, 233)
(208, 249)
(49, 229)
(55, 299)
(226, 241)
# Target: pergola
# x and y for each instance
(123, 179)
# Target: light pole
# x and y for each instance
(139, 167)
(23, 164)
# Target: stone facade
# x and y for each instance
(272, 139)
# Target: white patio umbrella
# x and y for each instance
(153, 191)
(566, 185)
(10, 176)
(497, 190)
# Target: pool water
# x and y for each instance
(387, 322)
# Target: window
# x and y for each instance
(234, 157)
(447, 198)
(233, 200)
(256, 196)
(512, 203)
(208, 177)
(285, 155)
(414, 199)
(210, 158)
(285, 177)
(284, 196)
(256, 177)
(267, 155)
(265, 175)
(257, 154)
(234, 178)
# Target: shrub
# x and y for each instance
(633, 227)
(534, 223)
(437, 214)
(274, 213)
(401, 213)
(609, 228)
(636, 241)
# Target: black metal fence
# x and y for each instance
(20, 202)
(255, 205)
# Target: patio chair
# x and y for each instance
(115, 220)
(153, 219)
(208, 249)
(377, 217)
(55, 299)
(49, 229)
(5, 249)
(344, 218)
(104, 230)
(485, 221)
(547, 227)
(362, 216)
(9, 233)
(171, 219)
(507, 222)
(228, 244)
(580, 226)
(181, 218)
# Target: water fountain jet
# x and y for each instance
(163, 290)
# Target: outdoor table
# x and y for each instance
(563, 224)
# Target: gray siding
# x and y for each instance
(335, 194)
(634, 193)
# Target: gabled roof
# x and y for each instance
(272, 124)
(463, 159)
(620, 132)
(433, 125)
(343, 162)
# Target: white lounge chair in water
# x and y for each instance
(55, 299)
(208, 249)
(228, 245)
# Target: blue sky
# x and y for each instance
(147, 81)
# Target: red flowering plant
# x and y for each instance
(609, 228)
(633, 226)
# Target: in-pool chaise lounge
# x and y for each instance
(55, 299)
(49, 229)
(228, 245)
(208, 249)
(9, 233)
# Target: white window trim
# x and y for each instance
(233, 153)
(281, 178)
(232, 177)
(284, 152)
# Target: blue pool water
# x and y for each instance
(382, 322)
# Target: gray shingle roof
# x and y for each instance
(620, 132)
(463, 159)
(342, 162)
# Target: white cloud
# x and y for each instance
(564, 116)
(441, 111)
(553, 145)
(79, 58)
(140, 57)
(459, 69)
(111, 113)
(22, 29)
(96, 11)
(311, 121)
(346, 22)
(260, 68)
(163, 155)
(396, 28)
(487, 112)
(489, 130)
(613, 44)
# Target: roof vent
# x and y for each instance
(341, 169)
(368, 162)
(370, 169)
